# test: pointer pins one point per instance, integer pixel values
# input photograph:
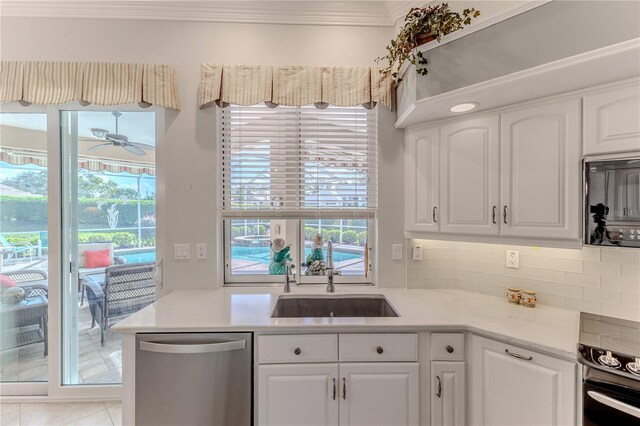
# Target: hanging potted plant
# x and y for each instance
(422, 25)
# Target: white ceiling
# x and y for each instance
(304, 12)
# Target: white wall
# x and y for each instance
(190, 154)
(600, 280)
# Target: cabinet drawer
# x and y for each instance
(297, 348)
(447, 347)
(379, 347)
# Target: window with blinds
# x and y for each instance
(302, 162)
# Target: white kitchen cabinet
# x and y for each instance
(345, 393)
(422, 180)
(516, 386)
(298, 394)
(379, 394)
(447, 393)
(611, 121)
(470, 174)
(540, 171)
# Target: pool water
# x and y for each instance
(255, 254)
(141, 256)
(262, 254)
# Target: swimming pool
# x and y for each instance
(262, 254)
(140, 256)
(255, 254)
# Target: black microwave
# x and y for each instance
(612, 200)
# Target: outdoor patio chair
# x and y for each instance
(12, 250)
(126, 290)
(17, 321)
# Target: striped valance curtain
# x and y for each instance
(98, 83)
(294, 86)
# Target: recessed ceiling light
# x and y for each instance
(467, 106)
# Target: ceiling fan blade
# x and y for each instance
(133, 149)
(99, 147)
(143, 146)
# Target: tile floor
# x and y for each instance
(96, 413)
(97, 364)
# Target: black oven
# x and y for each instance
(609, 399)
(612, 200)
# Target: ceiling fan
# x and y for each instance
(116, 139)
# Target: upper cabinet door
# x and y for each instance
(611, 120)
(540, 185)
(422, 177)
(469, 189)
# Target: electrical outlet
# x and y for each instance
(417, 253)
(201, 251)
(396, 252)
(513, 259)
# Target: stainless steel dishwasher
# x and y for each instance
(194, 379)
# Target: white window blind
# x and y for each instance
(298, 162)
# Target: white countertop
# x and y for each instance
(543, 328)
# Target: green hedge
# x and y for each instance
(20, 213)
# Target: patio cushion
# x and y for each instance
(83, 247)
(6, 282)
(97, 258)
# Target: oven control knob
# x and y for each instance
(634, 367)
(609, 360)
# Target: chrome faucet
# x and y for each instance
(289, 267)
(329, 268)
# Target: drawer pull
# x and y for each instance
(515, 355)
(449, 349)
(297, 351)
(379, 349)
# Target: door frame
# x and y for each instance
(53, 389)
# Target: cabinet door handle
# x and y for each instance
(493, 215)
(344, 388)
(515, 355)
(504, 213)
(439, 391)
(334, 389)
(433, 215)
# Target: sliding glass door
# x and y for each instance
(108, 238)
(24, 248)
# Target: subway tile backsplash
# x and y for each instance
(600, 280)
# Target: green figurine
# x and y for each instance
(315, 260)
(280, 257)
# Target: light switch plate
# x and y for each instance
(181, 251)
(396, 252)
(513, 259)
(417, 252)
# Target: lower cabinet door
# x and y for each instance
(447, 393)
(298, 395)
(515, 386)
(379, 394)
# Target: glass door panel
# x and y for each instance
(109, 236)
(24, 280)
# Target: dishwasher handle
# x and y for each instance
(178, 348)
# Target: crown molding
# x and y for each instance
(351, 13)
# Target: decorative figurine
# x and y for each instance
(280, 257)
(315, 261)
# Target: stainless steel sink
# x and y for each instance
(374, 305)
